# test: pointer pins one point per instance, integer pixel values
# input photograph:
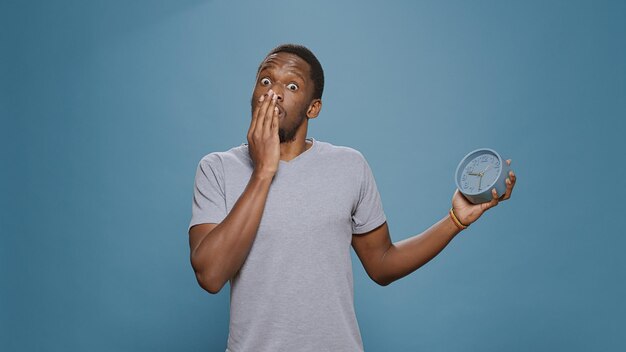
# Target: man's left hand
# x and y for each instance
(467, 212)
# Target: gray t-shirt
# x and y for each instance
(294, 292)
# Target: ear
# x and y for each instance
(314, 108)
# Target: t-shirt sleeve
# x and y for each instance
(368, 213)
(209, 200)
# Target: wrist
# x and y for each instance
(263, 174)
(457, 222)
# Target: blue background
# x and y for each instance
(107, 107)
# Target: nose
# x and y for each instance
(278, 94)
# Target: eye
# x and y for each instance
(265, 81)
(292, 87)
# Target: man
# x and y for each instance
(276, 217)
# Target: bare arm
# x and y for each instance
(386, 262)
(219, 250)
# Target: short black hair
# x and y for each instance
(317, 73)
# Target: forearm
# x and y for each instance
(221, 253)
(406, 256)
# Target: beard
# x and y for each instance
(287, 134)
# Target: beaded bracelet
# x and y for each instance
(456, 221)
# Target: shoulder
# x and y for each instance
(235, 155)
(340, 154)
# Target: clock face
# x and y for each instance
(479, 173)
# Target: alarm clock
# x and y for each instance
(479, 172)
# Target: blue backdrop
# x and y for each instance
(107, 107)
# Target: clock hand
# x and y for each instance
(485, 170)
(473, 174)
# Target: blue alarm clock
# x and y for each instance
(479, 172)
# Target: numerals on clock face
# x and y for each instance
(480, 173)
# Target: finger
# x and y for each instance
(266, 102)
(263, 102)
(455, 192)
(260, 112)
(509, 189)
(255, 113)
(494, 199)
(268, 127)
(269, 111)
(508, 162)
(269, 115)
(274, 127)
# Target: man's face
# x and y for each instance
(290, 78)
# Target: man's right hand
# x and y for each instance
(218, 251)
(263, 141)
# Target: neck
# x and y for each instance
(290, 150)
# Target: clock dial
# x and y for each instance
(480, 173)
